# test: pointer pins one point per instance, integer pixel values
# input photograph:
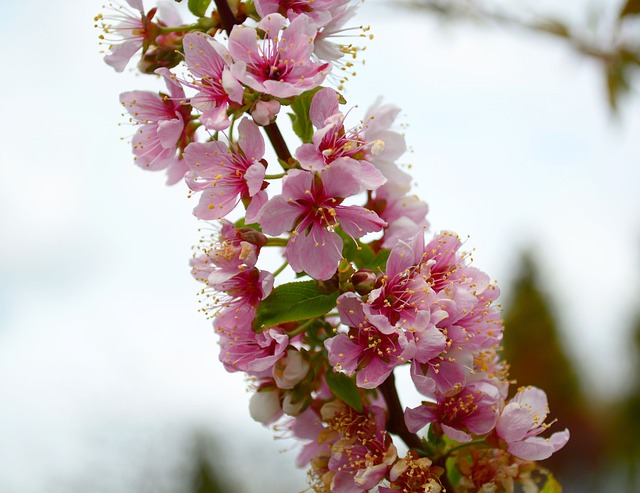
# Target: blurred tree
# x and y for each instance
(205, 477)
(615, 46)
(534, 348)
(624, 436)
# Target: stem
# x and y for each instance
(280, 269)
(272, 130)
(226, 15)
(302, 328)
(395, 421)
(274, 177)
(277, 141)
(280, 242)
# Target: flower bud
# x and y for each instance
(264, 406)
(290, 406)
(363, 281)
(290, 370)
(265, 112)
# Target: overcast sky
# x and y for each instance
(103, 356)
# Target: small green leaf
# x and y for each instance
(199, 7)
(551, 486)
(630, 8)
(300, 120)
(368, 259)
(345, 389)
(293, 302)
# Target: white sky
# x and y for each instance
(103, 358)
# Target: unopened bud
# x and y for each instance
(290, 370)
(264, 406)
(363, 281)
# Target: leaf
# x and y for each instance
(199, 7)
(630, 8)
(551, 486)
(292, 302)
(300, 120)
(367, 259)
(345, 389)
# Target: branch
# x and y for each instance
(395, 421)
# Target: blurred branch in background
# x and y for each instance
(615, 46)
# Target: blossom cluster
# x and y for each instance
(374, 291)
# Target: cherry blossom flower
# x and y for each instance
(320, 11)
(472, 411)
(163, 131)
(131, 30)
(332, 143)
(210, 62)
(361, 449)
(228, 253)
(279, 65)
(413, 474)
(522, 420)
(224, 174)
(128, 30)
(366, 350)
(310, 204)
(406, 214)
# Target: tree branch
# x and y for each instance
(395, 421)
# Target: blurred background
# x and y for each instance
(523, 119)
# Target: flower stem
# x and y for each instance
(302, 328)
(272, 130)
(280, 269)
(280, 242)
(395, 421)
(274, 177)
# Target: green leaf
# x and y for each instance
(345, 389)
(551, 486)
(367, 259)
(199, 7)
(632, 7)
(300, 120)
(292, 302)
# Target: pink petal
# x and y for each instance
(534, 448)
(121, 54)
(325, 103)
(514, 423)
(251, 141)
(277, 216)
(169, 131)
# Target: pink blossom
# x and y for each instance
(378, 122)
(265, 112)
(368, 351)
(163, 131)
(310, 204)
(230, 252)
(131, 29)
(225, 175)
(320, 11)
(362, 451)
(127, 30)
(406, 214)
(472, 411)
(279, 65)
(326, 46)
(241, 349)
(210, 62)
(522, 420)
(332, 143)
